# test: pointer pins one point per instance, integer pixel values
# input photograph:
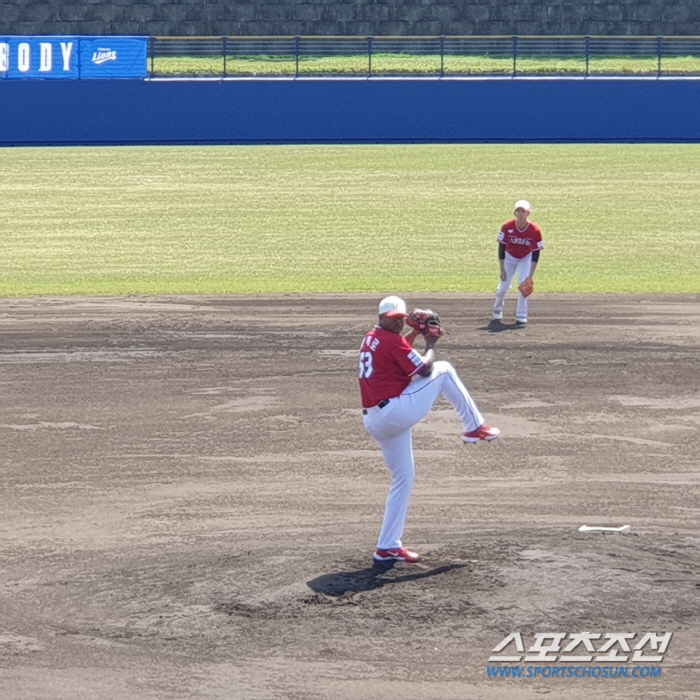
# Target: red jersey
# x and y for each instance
(519, 243)
(387, 363)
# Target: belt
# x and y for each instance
(381, 404)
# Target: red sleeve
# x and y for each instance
(537, 242)
(409, 359)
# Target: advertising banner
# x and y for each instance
(73, 57)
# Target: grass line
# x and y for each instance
(405, 64)
(167, 220)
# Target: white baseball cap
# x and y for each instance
(523, 204)
(392, 306)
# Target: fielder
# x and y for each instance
(519, 245)
(398, 387)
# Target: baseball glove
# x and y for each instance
(427, 322)
(527, 287)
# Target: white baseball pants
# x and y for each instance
(391, 427)
(522, 267)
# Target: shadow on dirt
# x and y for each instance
(343, 582)
(495, 326)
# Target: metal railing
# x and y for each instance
(437, 56)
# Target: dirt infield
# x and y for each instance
(189, 500)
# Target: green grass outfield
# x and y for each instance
(406, 64)
(217, 219)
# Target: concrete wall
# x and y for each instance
(350, 17)
(347, 111)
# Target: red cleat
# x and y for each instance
(398, 554)
(483, 432)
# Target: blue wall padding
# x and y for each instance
(349, 111)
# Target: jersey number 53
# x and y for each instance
(366, 367)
